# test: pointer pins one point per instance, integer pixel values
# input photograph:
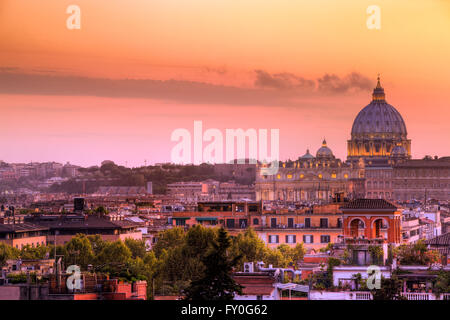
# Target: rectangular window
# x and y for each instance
(308, 239)
(180, 222)
(230, 223)
(323, 222)
(324, 239)
(242, 223)
(307, 222)
(291, 238)
(273, 239)
(339, 223)
(290, 222)
(273, 222)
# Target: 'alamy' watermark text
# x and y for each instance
(191, 149)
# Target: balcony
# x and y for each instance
(296, 226)
(362, 241)
(366, 295)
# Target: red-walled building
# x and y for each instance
(372, 219)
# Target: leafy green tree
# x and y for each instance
(390, 289)
(331, 263)
(101, 210)
(198, 240)
(137, 248)
(7, 252)
(298, 253)
(217, 282)
(170, 238)
(292, 255)
(179, 255)
(442, 283)
(249, 246)
(97, 243)
(78, 251)
(416, 254)
(329, 247)
(276, 257)
(113, 257)
(376, 253)
(29, 253)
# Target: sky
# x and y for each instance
(137, 70)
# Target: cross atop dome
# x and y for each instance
(378, 92)
(378, 82)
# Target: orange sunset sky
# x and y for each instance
(137, 70)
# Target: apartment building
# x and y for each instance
(314, 227)
(17, 233)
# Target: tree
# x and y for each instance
(29, 253)
(137, 248)
(171, 238)
(197, 241)
(217, 282)
(390, 289)
(417, 254)
(376, 253)
(332, 262)
(97, 243)
(101, 210)
(7, 252)
(180, 257)
(249, 246)
(298, 252)
(292, 255)
(442, 283)
(78, 251)
(276, 257)
(113, 257)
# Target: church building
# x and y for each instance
(378, 165)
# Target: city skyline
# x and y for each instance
(219, 151)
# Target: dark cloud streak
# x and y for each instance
(282, 81)
(327, 84)
(281, 89)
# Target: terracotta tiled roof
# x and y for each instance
(369, 204)
(257, 285)
(82, 222)
(21, 227)
(255, 290)
(440, 243)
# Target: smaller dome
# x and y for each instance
(307, 155)
(324, 151)
(398, 151)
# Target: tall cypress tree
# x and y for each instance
(217, 282)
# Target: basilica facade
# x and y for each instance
(378, 165)
(312, 178)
